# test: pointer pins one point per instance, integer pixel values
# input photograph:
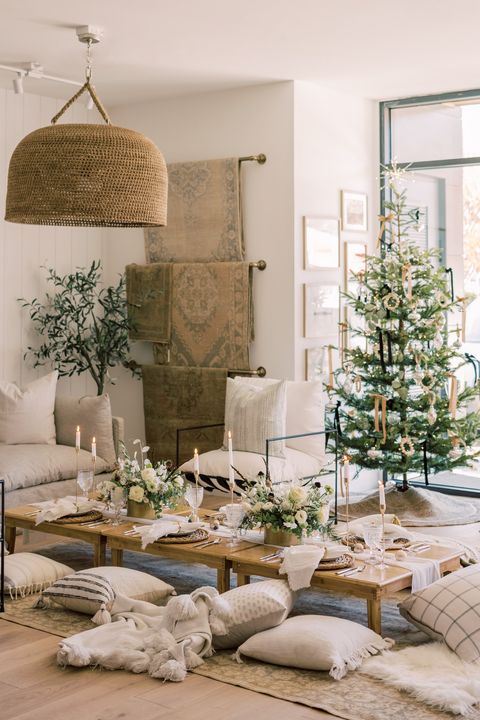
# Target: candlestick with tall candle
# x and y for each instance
(77, 453)
(94, 463)
(383, 507)
(231, 472)
(346, 480)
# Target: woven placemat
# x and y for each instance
(196, 536)
(344, 561)
(88, 516)
(396, 544)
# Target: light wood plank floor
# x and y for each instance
(33, 687)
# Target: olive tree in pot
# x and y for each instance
(83, 325)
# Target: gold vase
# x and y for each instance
(280, 537)
(140, 510)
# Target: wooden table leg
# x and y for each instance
(223, 579)
(374, 608)
(10, 537)
(100, 548)
(117, 557)
(242, 579)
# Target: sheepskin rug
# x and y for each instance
(432, 674)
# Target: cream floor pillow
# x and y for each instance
(315, 642)
(27, 573)
(254, 608)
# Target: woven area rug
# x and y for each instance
(418, 508)
(355, 697)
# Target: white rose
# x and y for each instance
(148, 474)
(136, 493)
(297, 495)
(301, 517)
(290, 525)
(257, 507)
(323, 514)
(152, 485)
(247, 507)
(268, 506)
(179, 481)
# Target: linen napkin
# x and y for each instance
(69, 505)
(160, 528)
(425, 571)
(299, 564)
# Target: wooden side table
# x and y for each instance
(371, 585)
(20, 517)
(215, 556)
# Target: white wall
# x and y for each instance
(336, 140)
(24, 248)
(248, 121)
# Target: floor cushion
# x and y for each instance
(254, 607)
(315, 642)
(27, 573)
(449, 610)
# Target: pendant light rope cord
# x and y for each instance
(87, 87)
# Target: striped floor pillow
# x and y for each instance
(82, 592)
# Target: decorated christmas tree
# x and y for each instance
(400, 404)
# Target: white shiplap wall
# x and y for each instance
(25, 248)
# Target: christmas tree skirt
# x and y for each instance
(418, 507)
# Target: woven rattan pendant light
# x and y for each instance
(87, 174)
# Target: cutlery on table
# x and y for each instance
(202, 545)
(419, 548)
(272, 556)
(351, 571)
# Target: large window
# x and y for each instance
(438, 139)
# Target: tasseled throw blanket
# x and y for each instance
(165, 643)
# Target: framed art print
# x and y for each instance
(314, 363)
(321, 310)
(355, 257)
(321, 241)
(354, 211)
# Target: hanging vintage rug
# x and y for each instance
(204, 214)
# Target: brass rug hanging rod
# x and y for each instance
(260, 159)
(260, 265)
(260, 372)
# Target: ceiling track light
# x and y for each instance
(18, 84)
(95, 175)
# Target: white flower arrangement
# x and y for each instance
(298, 509)
(158, 486)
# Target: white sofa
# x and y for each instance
(35, 472)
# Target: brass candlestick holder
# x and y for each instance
(382, 564)
(77, 453)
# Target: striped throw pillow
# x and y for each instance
(83, 592)
(253, 414)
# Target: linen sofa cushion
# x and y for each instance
(26, 416)
(214, 467)
(27, 573)
(449, 610)
(253, 414)
(315, 642)
(305, 413)
(93, 414)
(24, 466)
(254, 608)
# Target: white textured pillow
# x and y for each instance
(316, 642)
(449, 610)
(27, 573)
(94, 416)
(253, 414)
(26, 416)
(254, 608)
(135, 585)
(305, 413)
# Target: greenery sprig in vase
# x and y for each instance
(296, 509)
(158, 486)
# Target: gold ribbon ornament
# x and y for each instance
(380, 405)
(383, 220)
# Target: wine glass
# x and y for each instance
(235, 514)
(194, 497)
(372, 535)
(85, 481)
(117, 502)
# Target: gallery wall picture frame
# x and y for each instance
(321, 242)
(314, 363)
(354, 255)
(321, 309)
(354, 211)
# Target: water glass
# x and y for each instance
(235, 514)
(85, 481)
(372, 535)
(117, 502)
(194, 497)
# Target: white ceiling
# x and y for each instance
(154, 48)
